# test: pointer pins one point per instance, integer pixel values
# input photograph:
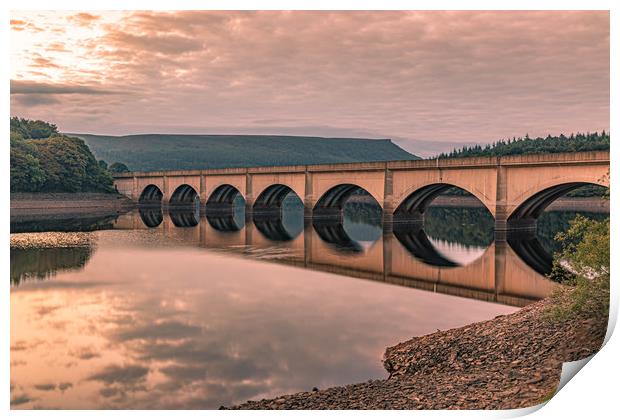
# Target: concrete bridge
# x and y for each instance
(515, 189)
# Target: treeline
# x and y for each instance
(526, 146)
(44, 160)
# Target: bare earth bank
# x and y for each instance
(512, 361)
(49, 205)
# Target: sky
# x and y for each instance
(429, 80)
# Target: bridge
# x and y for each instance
(515, 189)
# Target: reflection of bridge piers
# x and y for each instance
(401, 255)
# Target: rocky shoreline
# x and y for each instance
(511, 361)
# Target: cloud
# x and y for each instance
(21, 399)
(63, 386)
(167, 44)
(44, 63)
(56, 47)
(38, 88)
(22, 25)
(85, 353)
(462, 76)
(129, 374)
(31, 100)
(45, 387)
(153, 331)
(83, 19)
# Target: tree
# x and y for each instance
(26, 172)
(44, 160)
(32, 129)
(118, 167)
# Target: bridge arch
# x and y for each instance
(537, 201)
(271, 197)
(151, 194)
(417, 199)
(333, 200)
(184, 194)
(223, 197)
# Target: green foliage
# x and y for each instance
(26, 172)
(32, 129)
(585, 255)
(524, 146)
(152, 152)
(56, 163)
(118, 167)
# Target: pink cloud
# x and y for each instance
(446, 76)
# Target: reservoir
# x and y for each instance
(178, 309)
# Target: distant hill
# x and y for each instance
(151, 152)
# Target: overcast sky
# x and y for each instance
(446, 77)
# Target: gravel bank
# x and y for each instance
(51, 240)
(512, 361)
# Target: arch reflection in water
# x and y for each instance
(151, 217)
(226, 222)
(285, 223)
(528, 247)
(184, 218)
(356, 232)
(415, 240)
(369, 251)
(448, 236)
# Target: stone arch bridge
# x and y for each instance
(515, 189)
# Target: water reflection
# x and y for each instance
(165, 322)
(43, 263)
(283, 225)
(74, 223)
(184, 218)
(151, 217)
(414, 239)
(225, 221)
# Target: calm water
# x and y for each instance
(181, 310)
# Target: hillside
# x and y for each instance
(149, 152)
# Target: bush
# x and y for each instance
(583, 265)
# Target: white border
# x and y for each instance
(591, 395)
